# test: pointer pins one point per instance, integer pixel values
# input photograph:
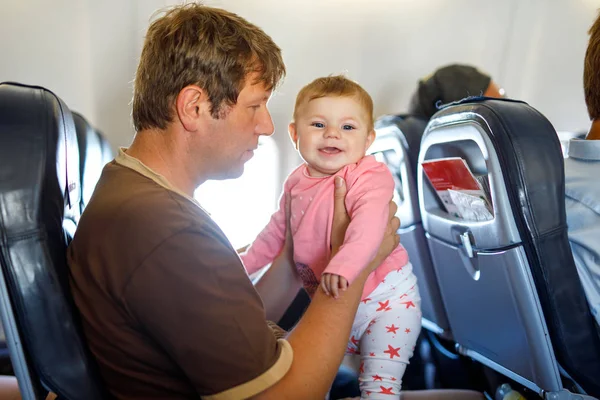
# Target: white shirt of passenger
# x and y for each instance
(582, 203)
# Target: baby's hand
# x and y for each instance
(331, 283)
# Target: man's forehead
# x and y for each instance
(255, 89)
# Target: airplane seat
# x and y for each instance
(39, 205)
(509, 284)
(91, 157)
(107, 152)
(397, 145)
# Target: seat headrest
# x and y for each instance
(37, 136)
(107, 152)
(91, 157)
(411, 128)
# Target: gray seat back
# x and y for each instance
(397, 145)
(511, 290)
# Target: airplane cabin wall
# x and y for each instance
(87, 51)
(532, 48)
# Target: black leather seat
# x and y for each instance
(107, 152)
(39, 206)
(94, 153)
(511, 290)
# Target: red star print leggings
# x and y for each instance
(384, 334)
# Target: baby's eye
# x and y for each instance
(318, 125)
(348, 127)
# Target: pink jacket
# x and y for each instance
(370, 188)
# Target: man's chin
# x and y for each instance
(233, 173)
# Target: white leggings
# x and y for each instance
(384, 334)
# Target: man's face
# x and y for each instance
(234, 136)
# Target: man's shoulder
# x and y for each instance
(133, 213)
(126, 192)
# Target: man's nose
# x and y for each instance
(265, 126)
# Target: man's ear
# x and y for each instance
(293, 134)
(192, 105)
(370, 139)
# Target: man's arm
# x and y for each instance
(279, 285)
(319, 340)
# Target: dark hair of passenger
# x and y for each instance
(591, 72)
(445, 85)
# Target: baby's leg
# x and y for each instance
(387, 345)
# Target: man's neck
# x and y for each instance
(594, 133)
(165, 155)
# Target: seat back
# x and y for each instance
(39, 205)
(107, 153)
(397, 145)
(92, 157)
(511, 290)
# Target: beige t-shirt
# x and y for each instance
(167, 308)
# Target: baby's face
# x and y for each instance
(331, 132)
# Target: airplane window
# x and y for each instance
(242, 207)
(392, 160)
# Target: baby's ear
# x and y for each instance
(370, 139)
(293, 134)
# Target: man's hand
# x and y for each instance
(288, 245)
(391, 239)
(332, 284)
(341, 220)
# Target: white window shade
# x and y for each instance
(243, 206)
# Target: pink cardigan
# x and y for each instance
(370, 187)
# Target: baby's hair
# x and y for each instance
(335, 86)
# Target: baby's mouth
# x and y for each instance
(330, 150)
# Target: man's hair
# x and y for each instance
(591, 72)
(194, 44)
(335, 86)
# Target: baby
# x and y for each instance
(332, 129)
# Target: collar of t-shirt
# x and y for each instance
(133, 163)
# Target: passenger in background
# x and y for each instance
(448, 84)
(332, 129)
(582, 186)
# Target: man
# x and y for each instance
(167, 308)
(581, 182)
(448, 84)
